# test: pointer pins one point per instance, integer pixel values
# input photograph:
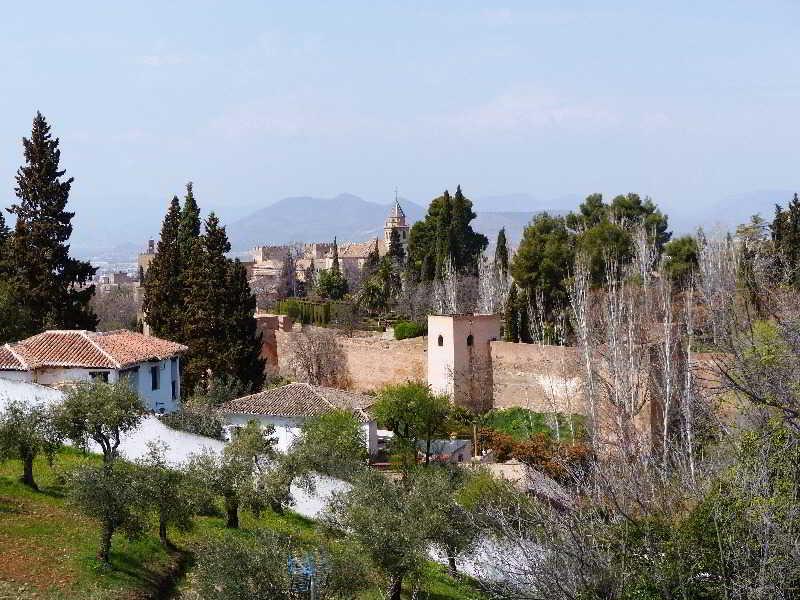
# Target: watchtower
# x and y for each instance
(460, 359)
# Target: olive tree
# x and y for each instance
(25, 431)
(167, 492)
(112, 495)
(235, 473)
(102, 412)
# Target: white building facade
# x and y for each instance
(57, 357)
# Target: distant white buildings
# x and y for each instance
(288, 406)
(58, 357)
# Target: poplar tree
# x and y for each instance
(164, 296)
(49, 284)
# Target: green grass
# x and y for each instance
(522, 424)
(47, 548)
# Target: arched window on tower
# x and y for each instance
(470, 340)
(440, 341)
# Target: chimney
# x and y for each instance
(151, 246)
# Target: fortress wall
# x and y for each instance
(541, 378)
(370, 361)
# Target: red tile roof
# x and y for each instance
(300, 400)
(86, 349)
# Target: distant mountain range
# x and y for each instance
(351, 219)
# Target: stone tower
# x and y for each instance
(460, 358)
(396, 220)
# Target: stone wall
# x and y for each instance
(541, 378)
(370, 361)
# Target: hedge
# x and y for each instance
(408, 329)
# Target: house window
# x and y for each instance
(440, 341)
(101, 375)
(470, 340)
(154, 378)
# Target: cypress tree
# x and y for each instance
(164, 295)
(523, 310)
(444, 232)
(46, 280)
(206, 307)
(335, 263)
(243, 349)
(396, 251)
(501, 252)
(429, 267)
(373, 260)
(458, 229)
(511, 317)
(786, 237)
(189, 229)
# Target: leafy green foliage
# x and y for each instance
(522, 424)
(166, 491)
(415, 414)
(113, 496)
(408, 329)
(331, 284)
(25, 431)
(101, 412)
(681, 259)
(543, 262)
(445, 233)
(332, 444)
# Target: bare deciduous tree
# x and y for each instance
(316, 358)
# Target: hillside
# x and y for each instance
(348, 217)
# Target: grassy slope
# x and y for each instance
(47, 548)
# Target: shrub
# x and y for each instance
(408, 329)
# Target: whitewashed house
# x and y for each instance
(288, 406)
(58, 357)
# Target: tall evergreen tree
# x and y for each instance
(446, 231)
(243, 350)
(189, 228)
(164, 295)
(501, 252)
(785, 230)
(206, 306)
(335, 261)
(373, 260)
(47, 282)
(428, 267)
(511, 316)
(396, 251)
(524, 316)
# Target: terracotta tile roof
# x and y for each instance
(87, 349)
(129, 347)
(300, 400)
(9, 361)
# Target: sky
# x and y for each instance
(687, 102)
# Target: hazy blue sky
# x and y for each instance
(685, 101)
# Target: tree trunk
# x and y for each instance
(27, 472)
(104, 552)
(395, 587)
(451, 565)
(232, 511)
(162, 533)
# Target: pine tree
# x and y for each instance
(786, 237)
(396, 251)
(47, 281)
(501, 252)
(511, 317)
(164, 294)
